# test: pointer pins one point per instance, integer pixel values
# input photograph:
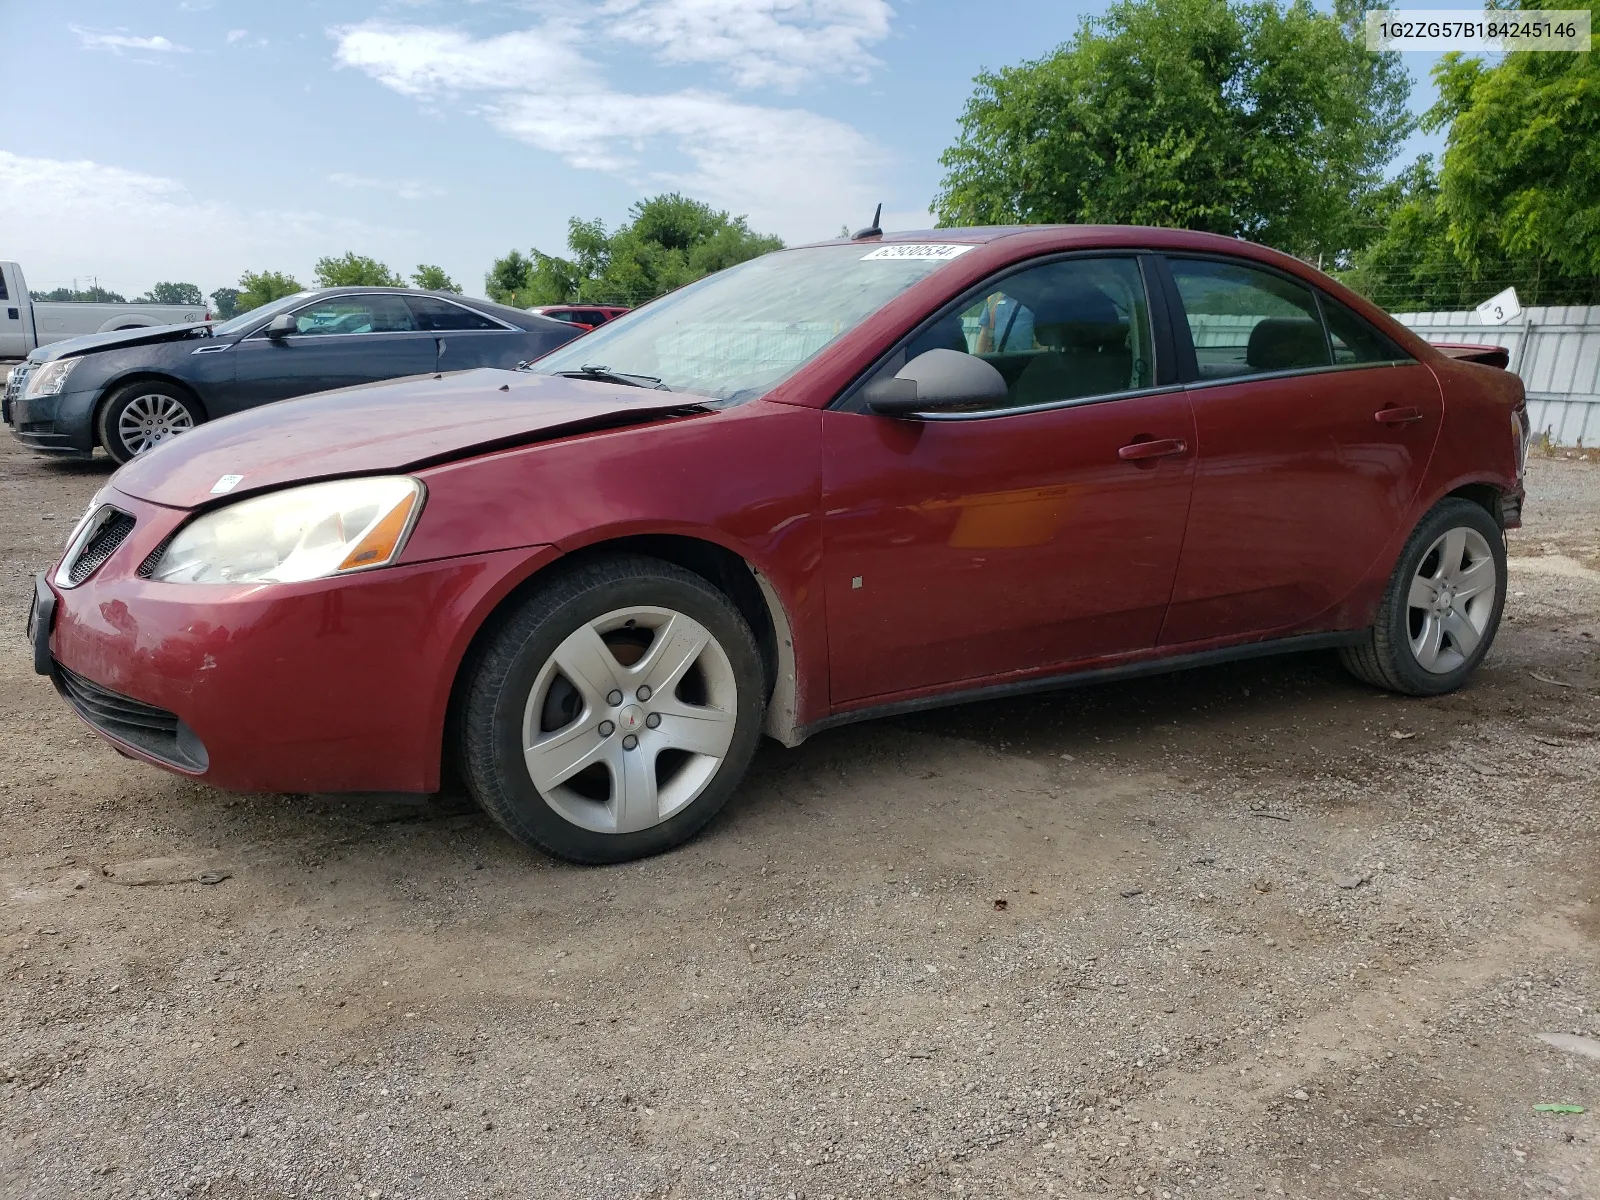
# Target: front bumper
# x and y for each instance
(60, 424)
(329, 686)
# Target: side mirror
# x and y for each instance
(282, 325)
(936, 379)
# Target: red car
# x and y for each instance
(840, 481)
(584, 316)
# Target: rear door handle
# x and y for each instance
(1397, 416)
(1156, 448)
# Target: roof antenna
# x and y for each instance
(875, 230)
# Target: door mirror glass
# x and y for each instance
(282, 325)
(937, 379)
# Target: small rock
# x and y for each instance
(1130, 893)
(1301, 1094)
(1349, 882)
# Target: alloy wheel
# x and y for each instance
(147, 421)
(629, 719)
(1451, 600)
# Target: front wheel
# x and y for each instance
(141, 416)
(613, 712)
(1442, 607)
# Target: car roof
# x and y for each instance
(502, 311)
(1154, 236)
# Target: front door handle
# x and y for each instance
(1155, 448)
(1397, 416)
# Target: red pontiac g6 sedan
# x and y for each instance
(840, 481)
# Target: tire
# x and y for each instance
(562, 674)
(141, 416)
(1423, 641)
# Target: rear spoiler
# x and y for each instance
(1489, 356)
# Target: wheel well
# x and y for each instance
(1486, 496)
(112, 389)
(717, 565)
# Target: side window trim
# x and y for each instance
(1189, 367)
(848, 398)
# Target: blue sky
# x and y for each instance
(195, 139)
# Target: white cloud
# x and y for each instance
(790, 169)
(85, 218)
(90, 39)
(406, 189)
(419, 60)
(760, 43)
(235, 35)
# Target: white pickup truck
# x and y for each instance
(26, 324)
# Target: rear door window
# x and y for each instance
(1353, 340)
(438, 316)
(1246, 321)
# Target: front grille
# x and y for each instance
(156, 731)
(15, 381)
(115, 525)
(148, 567)
(37, 427)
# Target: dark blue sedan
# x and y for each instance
(133, 389)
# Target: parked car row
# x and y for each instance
(130, 391)
(846, 480)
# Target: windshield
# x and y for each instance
(245, 319)
(740, 332)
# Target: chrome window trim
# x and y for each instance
(1048, 406)
(1295, 372)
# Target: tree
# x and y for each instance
(1236, 116)
(1516, 201)
(1521, 171)
(172, 293)
(355, 270)
(433, 279)
(668, 241)
(262, 287)
(90, 295)
(225, 302)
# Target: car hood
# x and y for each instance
(399, 425)
(90, 343)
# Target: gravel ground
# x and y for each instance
(1252, 930)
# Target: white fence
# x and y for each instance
(1557, 354)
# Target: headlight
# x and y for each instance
(50, 378)
(306, 532)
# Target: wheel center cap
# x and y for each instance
(631, 718)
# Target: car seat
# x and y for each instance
(1088, 352)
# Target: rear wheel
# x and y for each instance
(1442, 607)
(614, 712)
(141, 416)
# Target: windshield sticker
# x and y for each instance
(923, 252)
(226, 484)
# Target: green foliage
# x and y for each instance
(1516, 201)
(1236, 116)
(225, 303)
(172, 293)
(90, 295)
(433, 279)
(354, 270)
(262, 287)
(668, 241)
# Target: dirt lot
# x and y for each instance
(1250, 930)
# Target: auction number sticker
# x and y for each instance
(1431, 30)
(926, 253)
